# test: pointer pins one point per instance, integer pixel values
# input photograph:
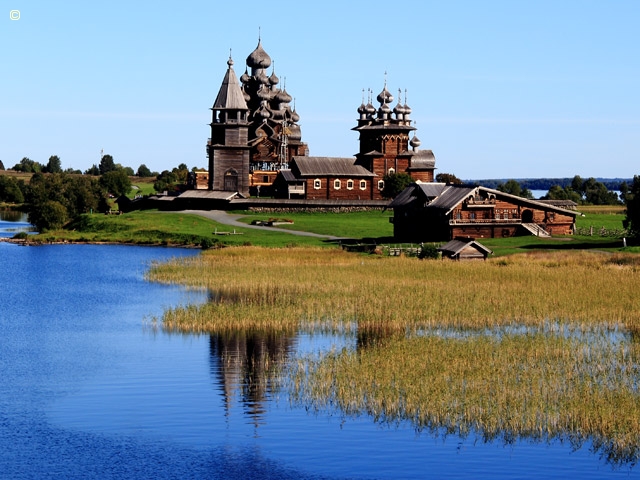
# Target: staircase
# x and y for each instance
(536, 230)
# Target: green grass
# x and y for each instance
(145, 186)
(151, 227)
(358, 225)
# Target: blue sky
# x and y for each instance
(498, 89)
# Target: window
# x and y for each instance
(472, 215)
(380, 184)
(317, 184)
(363, 184)
(336, 184)
(349, 184)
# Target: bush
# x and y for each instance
(429, 251)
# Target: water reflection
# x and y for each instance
(246, 365)
(12, 222)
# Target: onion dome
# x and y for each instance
(283, 97)
(362, 109)
(294, 132)
(263, 93)
(295, 118)
(277, 114)
(263, 112)
(370, 109)
(399, 110)
(407, 109)
(244, 78)
(415, 142)
(384, 108)
(259, 58)
(273, 79)
(385, 96)
(262, 77)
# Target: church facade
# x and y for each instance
(254, 129)
(256, 143)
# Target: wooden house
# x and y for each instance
(441, 212)
(465, 249)
(327, 178)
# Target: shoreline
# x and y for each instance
(39, 243)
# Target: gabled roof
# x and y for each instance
(447, 197)
(288, 176)
(455, 246)
(328, 166)
(426, 193)
(230, 96)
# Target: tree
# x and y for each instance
(165, 181)
(93, 170)
(51, 215)
(53, 165)
(448, 178)
(10, 190)
(143, 171)
(27, 165)
(632, 200)
(513, 187)
(106, 164)
(116, 182)
(556, 192)
(395, 183)
(181, 173)
(1, 165)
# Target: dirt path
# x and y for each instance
(225, 218)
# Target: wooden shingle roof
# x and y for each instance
(328, 166)
(230, 96)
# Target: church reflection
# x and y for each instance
(245, 365)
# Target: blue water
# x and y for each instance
(90, 389)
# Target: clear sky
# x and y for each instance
(498, 89)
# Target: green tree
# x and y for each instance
(165, 181)
(106, 164)
(116, 182)
(50, 215)
(513, 187)
(181, 173)
(53, 165)
(28, 166)
(596, 193)
(143, 171)
(395, 183)
(448, 178)
(556, 192)
(632, 201)
(10, 190)
(93, 170)
(1, 165)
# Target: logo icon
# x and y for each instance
(14, 14)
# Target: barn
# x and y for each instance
(441, 212)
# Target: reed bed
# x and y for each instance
(540, 346)
(537, 386)
(298, 287)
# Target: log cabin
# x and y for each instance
(441, 212)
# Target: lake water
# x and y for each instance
(89, 389)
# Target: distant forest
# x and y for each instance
(547, 183)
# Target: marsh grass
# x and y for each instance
(549, 350)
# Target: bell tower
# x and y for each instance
(228, 148)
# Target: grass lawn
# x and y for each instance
(168, 228)
(356, 225)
